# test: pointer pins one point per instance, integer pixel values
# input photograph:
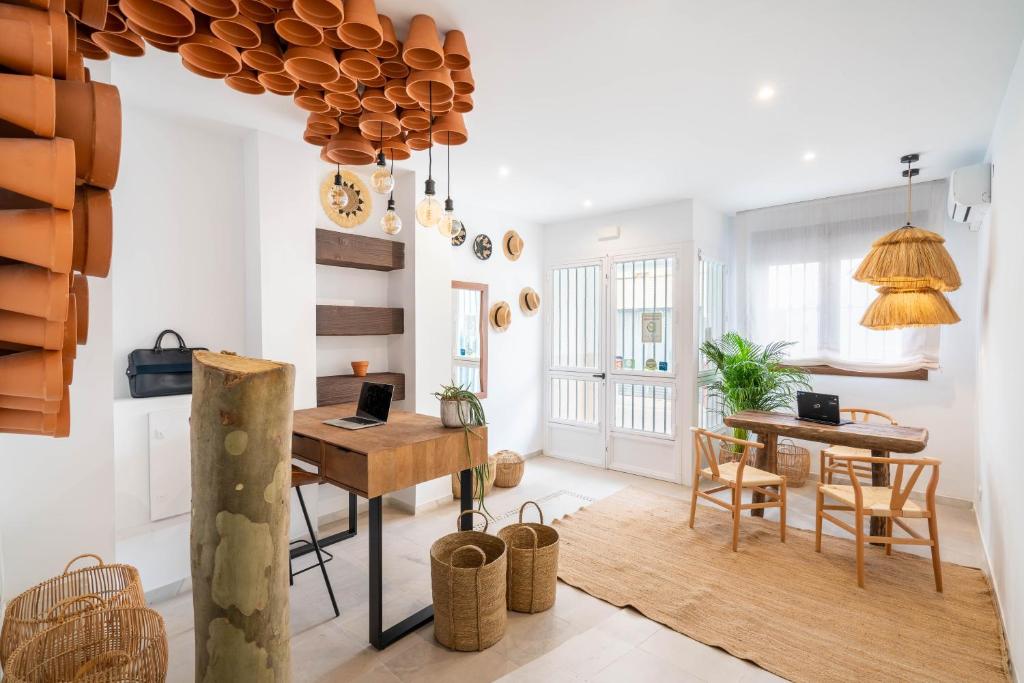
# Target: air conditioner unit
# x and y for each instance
(970, 194)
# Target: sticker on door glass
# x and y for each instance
(653, 328)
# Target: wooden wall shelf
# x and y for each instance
(353, 321)
(345, 388)
(335, 248)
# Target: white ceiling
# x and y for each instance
(626, 104)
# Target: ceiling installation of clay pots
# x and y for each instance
(365, 91)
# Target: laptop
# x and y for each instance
(372, 411)
(821, 408)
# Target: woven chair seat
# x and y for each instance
(846, 452)
(876, 500)
(751, 475)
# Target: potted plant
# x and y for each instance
(461, 408)
(752, 377)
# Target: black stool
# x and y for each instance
(301, 478)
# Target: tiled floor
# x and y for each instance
(580, 639)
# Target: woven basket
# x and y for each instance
(532, 563)
(109, 645)
(793, 462)
(492, 471)
(510, 466)
(67, 595)
(467, 580)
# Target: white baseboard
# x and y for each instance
(986, 568)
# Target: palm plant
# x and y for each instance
(752, 377)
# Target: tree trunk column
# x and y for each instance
(241, 480)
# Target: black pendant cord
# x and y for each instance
(430, 131)
(391, 197)
(910, 178)
(449, 188)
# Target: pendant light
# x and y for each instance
(447, 225)
(338, 196)
(428, 211)
(391, 222)
(381, 180)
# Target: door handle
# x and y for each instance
(599, 374)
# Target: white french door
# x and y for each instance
(613, 364)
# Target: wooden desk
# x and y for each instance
(408, 450)
(880, 439)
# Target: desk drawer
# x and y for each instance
(306, 449)
(345, 467)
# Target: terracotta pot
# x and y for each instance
(90, 49)
(463, 80)
(76, 67)
(199, 71)
(256, 11)
(395, 91)
(342, 84)
(40, 169)
(209, 53)
(373, 99)
(456, 52)
(350, 120)
(33, 41)
(314, 64)
(296, 31)
(155, 39)
(93, 223)
(18, 328)
(80, 290)
(321, 124)
(215, 9)
(27, 422)
(361, 27)
(450, 129)
(359, 367)
(34, 291)
(378, 81)
(92, 13)
(114, 21)
(33, 404)
(418, 140)
(67, 369)
(463, 104)
(333, 40)
(394, 68)
(125, 43)
(388, 47)
(170, 18)
(311, 100)
(415, 119)
(28, 102)
(278, 4)
(245, 81)
(61, 32)
(239, 31)
(279, 84)
(433, 86)
(396, 149)
(342, 100)
(42, 237)
(32, 374)
(349, 147)
(422, 46)
(359, 64)
(266, 57)
(376, 126)
(69, 330)
(90, 114)
(315, 138)
(322, 13)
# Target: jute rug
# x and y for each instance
(782, 606)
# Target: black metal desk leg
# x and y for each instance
(353, 519)
(466, 498)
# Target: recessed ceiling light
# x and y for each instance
(765, 93)
(587, 203)
(810, 156)
(503, 171)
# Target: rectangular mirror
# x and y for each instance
(469, 336)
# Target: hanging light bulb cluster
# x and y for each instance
(428, 211)
(382, 180)
(911, 268)
(337, 195)
(391, 222)
(448, 225)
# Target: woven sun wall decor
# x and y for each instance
(359, 205)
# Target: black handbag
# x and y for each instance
(159, 371)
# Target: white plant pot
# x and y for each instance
(450, 411)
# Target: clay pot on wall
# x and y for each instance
(240, 31)
(322, 124)
(388, 47)
(42, 237)
(394, 68)
(279, 84)
(342, 100)
(32, 404)
(422, 47)
(463, 104)
(114, 22)
(70, 331)
(199, 71)
(379, 125)
(90, 114)
(432, 86)
(359, 65)
(395, 91)
(76, 67)
(342, 84)
(414, 119)
(267, 56)
(32, 374)
(92, 13)
(209, 53)
(322, 13)
(256, 11)
(378, 81)
(27, 330)
(450, 129)
(89, 49)
(349, 147)
(34, 291)
(311, 100)
(294, 30)
(361, 27)
(40, 169)
(418, 140)
(170, 18)
(315, 139)
(375, 101)
(125, 43)
(314, 64)
(216, 9)
(395, 149)
(155, 39)
(93, 229)
(80, 290)
(36, 422)
(456, 52)
(28, 102)
(33, 41)
(245, 81)
(463, 80)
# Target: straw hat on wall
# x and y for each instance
(529, 301)
(512, 244)
(501, 316)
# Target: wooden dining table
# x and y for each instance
(880, 439)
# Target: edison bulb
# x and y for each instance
(428, 211)
(382, 181)
(446, 226)
(390, 222)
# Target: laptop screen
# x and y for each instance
(823, 407)
(375, 401)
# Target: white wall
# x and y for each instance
(999, 503)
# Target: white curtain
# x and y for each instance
(799, 280)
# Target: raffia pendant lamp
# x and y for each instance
(898, 308)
